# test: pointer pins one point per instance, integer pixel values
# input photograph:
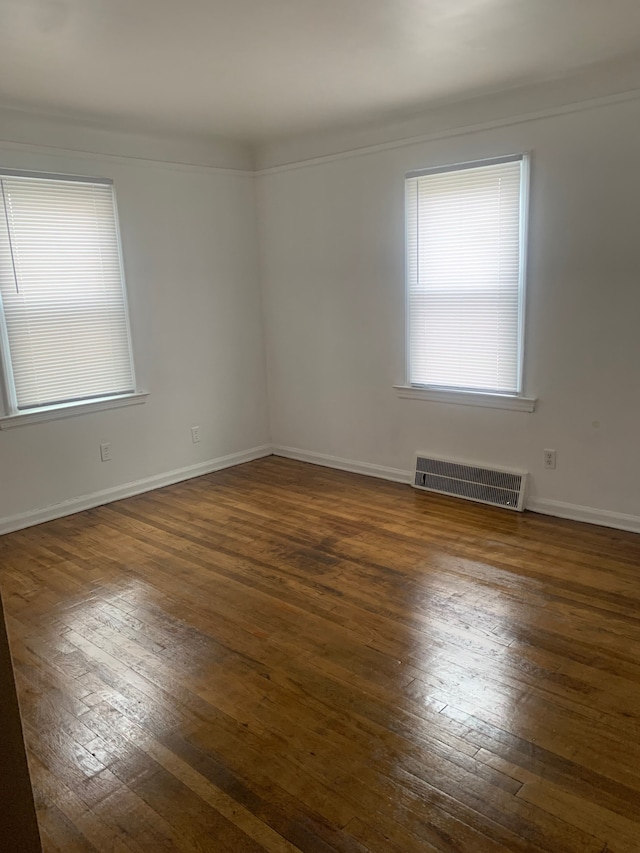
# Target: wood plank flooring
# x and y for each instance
(280, 657)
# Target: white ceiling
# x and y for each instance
(256, 68)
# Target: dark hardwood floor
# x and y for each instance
(281, 657)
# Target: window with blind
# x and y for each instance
(465, 276)
(63, 311)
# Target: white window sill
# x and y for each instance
(70, 410)
(468, 398)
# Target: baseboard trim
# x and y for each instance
(574, 512)
(366, 468)
(588, 514)
(128, 490)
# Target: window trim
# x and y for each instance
(465, 396)
(516, 403)
(10, 415)
(70, 410)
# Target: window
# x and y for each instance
(465, 276)
(64, 329)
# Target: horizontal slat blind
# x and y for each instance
(62, 291)
(464, 282)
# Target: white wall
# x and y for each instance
(331, 262)
(189, 243)
(332, 248)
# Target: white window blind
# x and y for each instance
(465, 237)
(65, 328)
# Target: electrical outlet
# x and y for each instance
(105, 451)
(549, 458)
(195, 434)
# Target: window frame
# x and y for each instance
(460, 395)
(10, 414)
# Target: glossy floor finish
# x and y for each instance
(282, 657)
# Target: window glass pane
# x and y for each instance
(464, 277)
(63, 292)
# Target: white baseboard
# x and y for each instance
(589, 514)
(575, 512)
(127, 490)
(367, 468)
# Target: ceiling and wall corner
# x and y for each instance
(250, 70)
(249, 85)
(79, 137)
(587, 89)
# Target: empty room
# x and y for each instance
(319, 406)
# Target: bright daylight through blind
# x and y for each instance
(465, 284)
(62, 292)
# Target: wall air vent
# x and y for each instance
(485, 485)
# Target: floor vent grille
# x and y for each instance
(486, 485)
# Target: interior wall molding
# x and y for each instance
(359, 151)
(128, 490)
(451, 132)
(559, 509)
(574, 512)
(394, 474)
(591, 515)
(59, 151)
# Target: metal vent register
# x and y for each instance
(485, 485)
